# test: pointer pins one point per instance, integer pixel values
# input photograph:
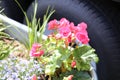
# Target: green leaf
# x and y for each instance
(2, 33)
(84, 55)
(34, 25)
(90, 55)
(64, 52)
(4, 50)
(67, 64)
(54, 63)
(77, 75)
(2, 29)
(50, 69)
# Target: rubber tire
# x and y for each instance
(12, 10)
(111, 9)
(103, 36)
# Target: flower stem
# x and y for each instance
(49, 78)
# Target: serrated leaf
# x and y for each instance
(64, 52)
(50, 69)
(89, 55)
(84, 55)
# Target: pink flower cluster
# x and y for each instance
(36, 51)
(69, 31)
(70, 77)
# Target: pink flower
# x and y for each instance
(69, 39)
(79, 28)
(63, 22)
(70, 77)
(82, 37)
(65, 31)
(80, 32)
(58, 36)
(35, 51)
(37, 54)
(34, 77)
(73, 64)
(82, 26)
(53, 24)
(36, 45)
(72, 26)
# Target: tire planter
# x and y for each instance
(20, 32)
(103, 36)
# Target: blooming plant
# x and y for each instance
(61, 58)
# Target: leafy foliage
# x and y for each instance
(78, 75)
(2, 33)
(4, 47)
(58, 57)
(86, 55)
(36, 29)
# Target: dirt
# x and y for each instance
(18, 50)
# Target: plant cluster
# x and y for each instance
(57, 54)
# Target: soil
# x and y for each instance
(19, 50)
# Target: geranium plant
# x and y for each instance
(65, 52)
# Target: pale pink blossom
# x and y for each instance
(35, 50)
(73, 64)
(36, 45)
(73, 28)
(65, 31)
(63, 22)
(82, 26)
(34, 77)
(70, 77)
(54, 24)
(82, 37)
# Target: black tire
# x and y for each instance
(111, 9)
(12, 10)
(103, 36)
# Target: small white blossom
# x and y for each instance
(16, 69)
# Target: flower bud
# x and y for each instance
(73, 64)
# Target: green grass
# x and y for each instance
(4, 47)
